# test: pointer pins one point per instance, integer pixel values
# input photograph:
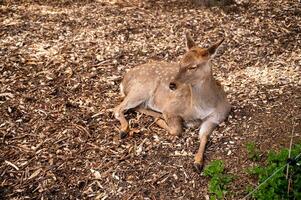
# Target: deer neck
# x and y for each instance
(203, 76)
(204, 87)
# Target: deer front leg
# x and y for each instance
(205, 130)
(152, 113)
(158, 117)
(174, 124)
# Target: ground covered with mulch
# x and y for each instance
(61, 63)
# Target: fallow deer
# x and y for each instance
(177, 94)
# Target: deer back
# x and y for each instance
(186, 89)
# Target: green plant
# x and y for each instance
(277, 187)
(217, 185)
(252, 151)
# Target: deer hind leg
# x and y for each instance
(129, 102)
(206, 129)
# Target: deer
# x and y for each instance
(177, 94)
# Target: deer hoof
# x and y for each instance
(123, 134)
(198, 167)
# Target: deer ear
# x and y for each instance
(189, 41)
(213, 49)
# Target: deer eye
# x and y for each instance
(172, 86)
(192, 67)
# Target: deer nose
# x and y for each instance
(172, 86)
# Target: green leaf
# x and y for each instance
(276, 187)
(217, 185)
(214, 168)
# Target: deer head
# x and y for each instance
(195, 63)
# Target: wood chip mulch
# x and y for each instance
(60, 66)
